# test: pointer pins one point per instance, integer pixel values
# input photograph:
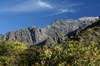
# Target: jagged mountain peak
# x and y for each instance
(88, 18)
(64, 28)
(31, 27)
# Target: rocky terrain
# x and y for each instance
(51, 34)
(90, 34)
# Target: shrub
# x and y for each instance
(9, 51)
(72, 53)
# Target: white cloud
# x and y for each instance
(44, 4)
(40, 5)
(30, 5)
(75, 4)
(61, 11)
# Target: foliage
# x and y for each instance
(9, 51)
(1, 37)
(29, 55)
(72, 53)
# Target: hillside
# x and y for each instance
(51, 34)
(90, 34)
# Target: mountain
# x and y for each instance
(90, 34)
(50, 34)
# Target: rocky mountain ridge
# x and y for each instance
(90, 34)
(50, 34)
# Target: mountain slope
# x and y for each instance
(90, 33)
(51, 34)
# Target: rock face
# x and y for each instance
(23, 35)
(51, 34)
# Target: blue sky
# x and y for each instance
(19, 14)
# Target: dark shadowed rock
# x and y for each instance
(55, 38)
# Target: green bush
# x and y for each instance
(9, 51)
(72, 53)
(30, 56)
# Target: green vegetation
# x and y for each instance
(71, 53)
(9, 52)
(1, 37)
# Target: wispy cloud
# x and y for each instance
(61, 11)
(75, 4)
(56, 7)
(31, 5)
(44, 4)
